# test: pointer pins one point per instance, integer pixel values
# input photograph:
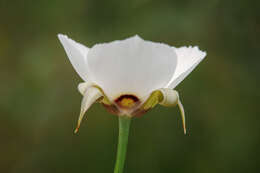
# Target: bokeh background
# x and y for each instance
(39, 101)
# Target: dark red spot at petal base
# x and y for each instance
(127, 101)
(112, 109)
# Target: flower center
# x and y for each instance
(127, 101)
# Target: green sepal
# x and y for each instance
(155, 98)
(104, 99)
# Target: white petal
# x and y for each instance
(77, 54)
(131, 66)
(188, 59)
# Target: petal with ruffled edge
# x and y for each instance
(131, 66)
(77, 54)
(188, 58)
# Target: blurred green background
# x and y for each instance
(39, 101)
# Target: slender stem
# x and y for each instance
(124, 126)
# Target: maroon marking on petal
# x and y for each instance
(127, 101)
(112, 109)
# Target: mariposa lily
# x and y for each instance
(131, 76)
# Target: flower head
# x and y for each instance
(130, 76)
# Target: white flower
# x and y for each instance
(130, 76)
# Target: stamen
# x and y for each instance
(182, 115)
(172, 98)
(91, 95)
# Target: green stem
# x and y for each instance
(124, 126)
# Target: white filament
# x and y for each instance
(91, 95)
(171, 98)
(82, 87)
